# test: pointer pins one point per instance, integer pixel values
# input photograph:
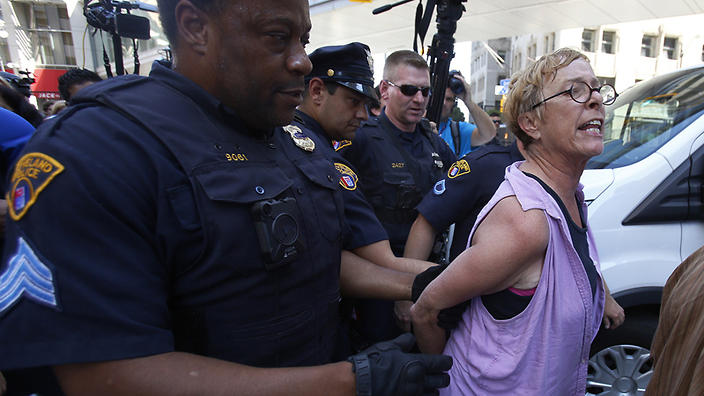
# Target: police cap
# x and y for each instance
(350, 65)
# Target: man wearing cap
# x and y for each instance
(338, 93)
(399, 159)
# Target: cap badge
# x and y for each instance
(370, 60)
(331, 72)
(300, 139)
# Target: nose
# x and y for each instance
(298, 61)
(361, 112)
(418, 97)
(595, 100)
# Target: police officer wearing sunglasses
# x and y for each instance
(398, 159)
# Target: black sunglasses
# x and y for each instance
(410, 90)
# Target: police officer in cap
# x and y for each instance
(339, 90)
(170, 237)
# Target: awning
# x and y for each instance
(46, 85)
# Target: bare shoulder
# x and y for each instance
(525, 228)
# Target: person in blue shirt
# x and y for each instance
(467, 136)
(16, 131)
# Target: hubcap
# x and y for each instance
(622, 370)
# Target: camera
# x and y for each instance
(21, 84)
(455, 85)
(278, 224)
(107, 15)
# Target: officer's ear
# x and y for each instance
(317, 90)
(384, 90)
(529, 123)
(192, 25)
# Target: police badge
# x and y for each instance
(300, 139)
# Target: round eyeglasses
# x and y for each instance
(581, 92)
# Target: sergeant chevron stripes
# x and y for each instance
(26, 276)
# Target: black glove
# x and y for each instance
(448, 318)
(386, 369)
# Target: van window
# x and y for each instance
(648, 115)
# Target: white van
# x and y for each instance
(646, 211)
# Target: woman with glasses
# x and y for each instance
(537, 300)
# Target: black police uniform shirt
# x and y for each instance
(394, 182)
(129, 242)
(464, 190)
(365, 228)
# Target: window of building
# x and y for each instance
(49, 30)
(588, 36)
(607, 42)
(702, 53)
(669, 47)
(647, 46)
(607, 80)
(4, 52)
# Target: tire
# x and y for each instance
(620, 361)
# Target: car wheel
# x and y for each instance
(620, 363)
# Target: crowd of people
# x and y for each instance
(273, 224)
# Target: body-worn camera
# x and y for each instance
(278, 224)
(456, 86)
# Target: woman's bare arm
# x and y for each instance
(486, 267)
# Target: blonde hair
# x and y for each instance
(401, 58)
(526, 87)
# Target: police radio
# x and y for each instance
(278, 226)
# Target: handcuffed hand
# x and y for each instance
(448, 318)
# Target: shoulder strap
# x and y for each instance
(154, 111)
(455, 129)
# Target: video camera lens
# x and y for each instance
(456, 86)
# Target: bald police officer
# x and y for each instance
(167, 238)
(399, 159)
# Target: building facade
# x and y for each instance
(44, 38)
(626, 53)
(491, 63)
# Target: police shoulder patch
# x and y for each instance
(340, 144)
(348, 179)
(26, 276)
(457, 169)
(32, 174)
